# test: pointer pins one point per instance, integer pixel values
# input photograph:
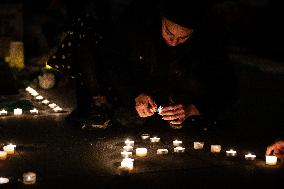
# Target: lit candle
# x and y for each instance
(3, 155)
(34, 93)
(145, 136)
(18, 111)
(128, 148)
(271, 160)
(29, 178)
(10, 149)
(45, 101)
(177, 142)
(39, 97)
(155, 139)
(250, 156)
(53, 105)
(179, 149)
(4, 180)
(215, 148)
(28, 89)
(141, 152)
(127, 163)
(3, 112)
(34, 111)
(126, 154)
(231, 152)
(198, 145)
(57, 109)
(162, 151)
(129, 142)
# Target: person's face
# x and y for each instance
(174, 34)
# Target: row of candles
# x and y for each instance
(127, 162)
(28, 177)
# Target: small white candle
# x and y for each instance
(52, 105)
(127, 163)
(231, 152)
(3, 155)
(129, 142)
(250, 156)
(128, 148)
(39, 97)
(155, 139)
(162, 151)
(45, 101)
(177, 142)
(126, 154)
(141, 152)
(18, 111)
(3, 112)
(29, 178)
(145, 136)
(10, 149)
(57, 109)
(179, 149)
(271, 160)
(198, 145)
(4, 180)
(34, 93)
(215, 148)
(34, 111)
(28, 89)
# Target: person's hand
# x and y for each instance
(176, 114)
(145, 105)
(276, 149)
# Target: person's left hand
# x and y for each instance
(176, 114)
(276, 149)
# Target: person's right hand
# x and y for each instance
(145, 105)
(276, 149)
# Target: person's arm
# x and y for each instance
(277, 149)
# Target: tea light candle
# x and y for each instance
(18, 111)
(34, 111)
(162, 151)
(45, 101)
(271, 160)
(141, 152)
(155, 139)
(231, 152)
(127, 163)
(10, 149)
(177, 142)
(3, 155)
(179, 149)
(53, 105)
(3, 112)
(198, 145)
(39, 97)
(57, 109)
(29, 178)
(126, 154)
(215, 148)
(145, 136)
(34, 93)
(4, 180)
(128, 148)
(250, 156)
(28, 89)
(129, 142)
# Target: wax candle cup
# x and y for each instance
(18, 111)
(215, 148)
(45, 101)
(198, 145)
(29, 178)
(179, 149)
(177, 142)
(271, 160)
(57, 109)
(126, 154)
(128, 148)
(129, 142)
(145, 136)
(39, 97)
(3, 155)
(155, 139)
(250, 156)
(10, 149)
(231, 152)
(127, 163)
(34, 111)
(52, 105)
(162, 151)
(141, 152)
(4, 180)
(3, 112)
